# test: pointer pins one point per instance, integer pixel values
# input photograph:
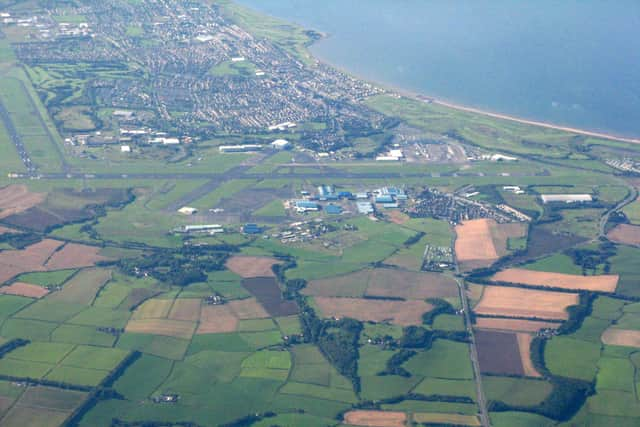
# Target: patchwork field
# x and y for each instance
(248, 308)
(446, 419)
(375, 418)
(626, 234)
(382, 282)
(168, 327)
(508, 301)
(32, 258)
(217, 319)
(603, 283)
(25, 290)
(623, 337)
(73, 255)
(268, 293)
(474, 243)
(250, 266)
(399, 312)
(513, 325)
(499, 353)
(481, 242)
(17, 198)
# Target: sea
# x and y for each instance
(567, 62)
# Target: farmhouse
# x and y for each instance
(303, 206)
(566, 198)
(187, 210)
(280, 144)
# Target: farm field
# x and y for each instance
(397, 312)
(626, 234)
(121, 306)
(604, 283)
(507, 301)
(382, 282)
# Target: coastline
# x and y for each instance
(398, 91)
(395, 90)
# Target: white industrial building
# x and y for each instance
(566, 198)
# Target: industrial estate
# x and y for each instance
(203, 225)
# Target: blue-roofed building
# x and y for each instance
(345, 195)
(333, 209)
(306, 206)
(251, 229)
(384, 199)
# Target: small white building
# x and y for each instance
(280, 144)
(187, 210)
(125, 149)
(566, 198)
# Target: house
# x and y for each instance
(251, 229)
(303, 206)
(280, 144)
(187, 210)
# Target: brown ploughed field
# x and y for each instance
(17, 198)
(375, 418)
(403, 313)
(518, 302)
(623, 337)
(248, 308)
(499, 353)
(24, 290)
(626, 234)
(215, 319)
(31, 258)
(74, 255)
(186, 309)
(252, 266)
(603, 283)
(513, 325)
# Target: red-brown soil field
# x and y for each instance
(603, 283)
(508, 301)
(251, 266)
(399, 312)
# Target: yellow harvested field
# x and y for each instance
(524, 345)
(474, 243)
(453, 419)
(375, 418)
(172, 328)
(215, 319)
(513, 325)
(399, 312)
(186, 309)
(518, 302)
(17, 198)
(153, 309)
(24, 290)
(603, 283)
(248, 308)
(623, 337)
(252, 266)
